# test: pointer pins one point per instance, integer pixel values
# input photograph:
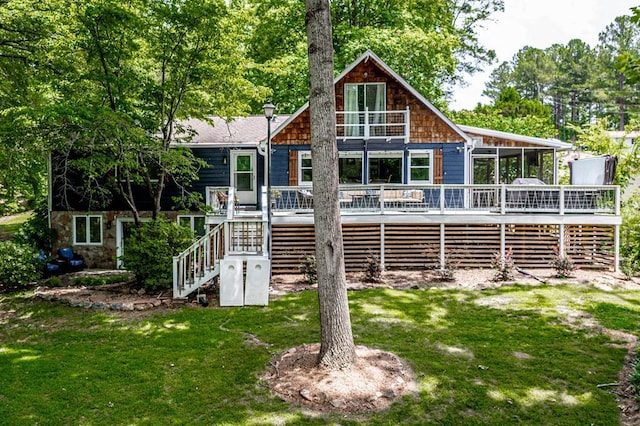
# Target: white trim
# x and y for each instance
(244, 197)
(420, 153)
(547, 143)
(301, 155)
(87, 218)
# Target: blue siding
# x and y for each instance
(452, 159)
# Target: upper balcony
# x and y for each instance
(368, 125)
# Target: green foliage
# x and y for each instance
(562, 264)
(150, 251)
(504, 266)
(19, 265)
(309, 268)
(395, 30)
(36, 231)
(630, 237)
(594, 138)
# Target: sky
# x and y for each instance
(538, 23)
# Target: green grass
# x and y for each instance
(60, 365)
(10, 224)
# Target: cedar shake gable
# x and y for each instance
(426, 124)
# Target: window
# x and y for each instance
(193, 222)
(420, 170)
(385, 167)
(362, 97)
(349, 168)
(87, 230)
(305, 173)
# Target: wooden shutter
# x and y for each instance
(437, 166)
(293, 168)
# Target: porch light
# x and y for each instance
(269, 108)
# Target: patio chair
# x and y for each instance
(69, 260)
(50, 266)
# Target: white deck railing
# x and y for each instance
(373, 124)
(441, 199)
(237, 235)
(199, 263)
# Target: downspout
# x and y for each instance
(49, 190)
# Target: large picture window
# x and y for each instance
(385, 167)
(349, 168)
(420, 169)
(87, 230)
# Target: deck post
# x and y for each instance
(176, 286)
(381, 199)
(617, 200)
(366, 124)
(616, 246)
(503, 239)
(561, 244)
(561, 201)
(443, 260)
(503, 201)
(407, 128)
(382, 246)
(442, 199)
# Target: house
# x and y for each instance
(416, 191)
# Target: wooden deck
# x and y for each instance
(464, 225)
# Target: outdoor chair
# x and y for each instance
(69, 260)
(50, 267)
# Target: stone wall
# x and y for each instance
(96, 256)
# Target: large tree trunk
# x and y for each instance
(337, 349)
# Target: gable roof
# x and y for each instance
(369, 55)
(551, 142)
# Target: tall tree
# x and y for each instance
(430, 43)
(337, 349)
(139, 70)
(616, 93)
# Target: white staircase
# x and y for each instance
(242, 236)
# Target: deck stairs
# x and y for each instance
(242, 235)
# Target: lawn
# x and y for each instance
(516, 355)
(10, 224)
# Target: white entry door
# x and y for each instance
(244, 176)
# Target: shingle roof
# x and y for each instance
(238, 131)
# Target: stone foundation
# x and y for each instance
(101, 256)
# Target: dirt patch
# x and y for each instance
(374, 382)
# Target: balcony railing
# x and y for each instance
(373, 124)
(441, 199)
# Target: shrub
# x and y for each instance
(447, 272)
(309, 269)
(19, 264)
(150, 251)
(562, 264)
(36, 232)
(503, 265)
(629, 267)
(634, 378)
(373, 268)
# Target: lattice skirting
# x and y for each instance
(421, 246)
